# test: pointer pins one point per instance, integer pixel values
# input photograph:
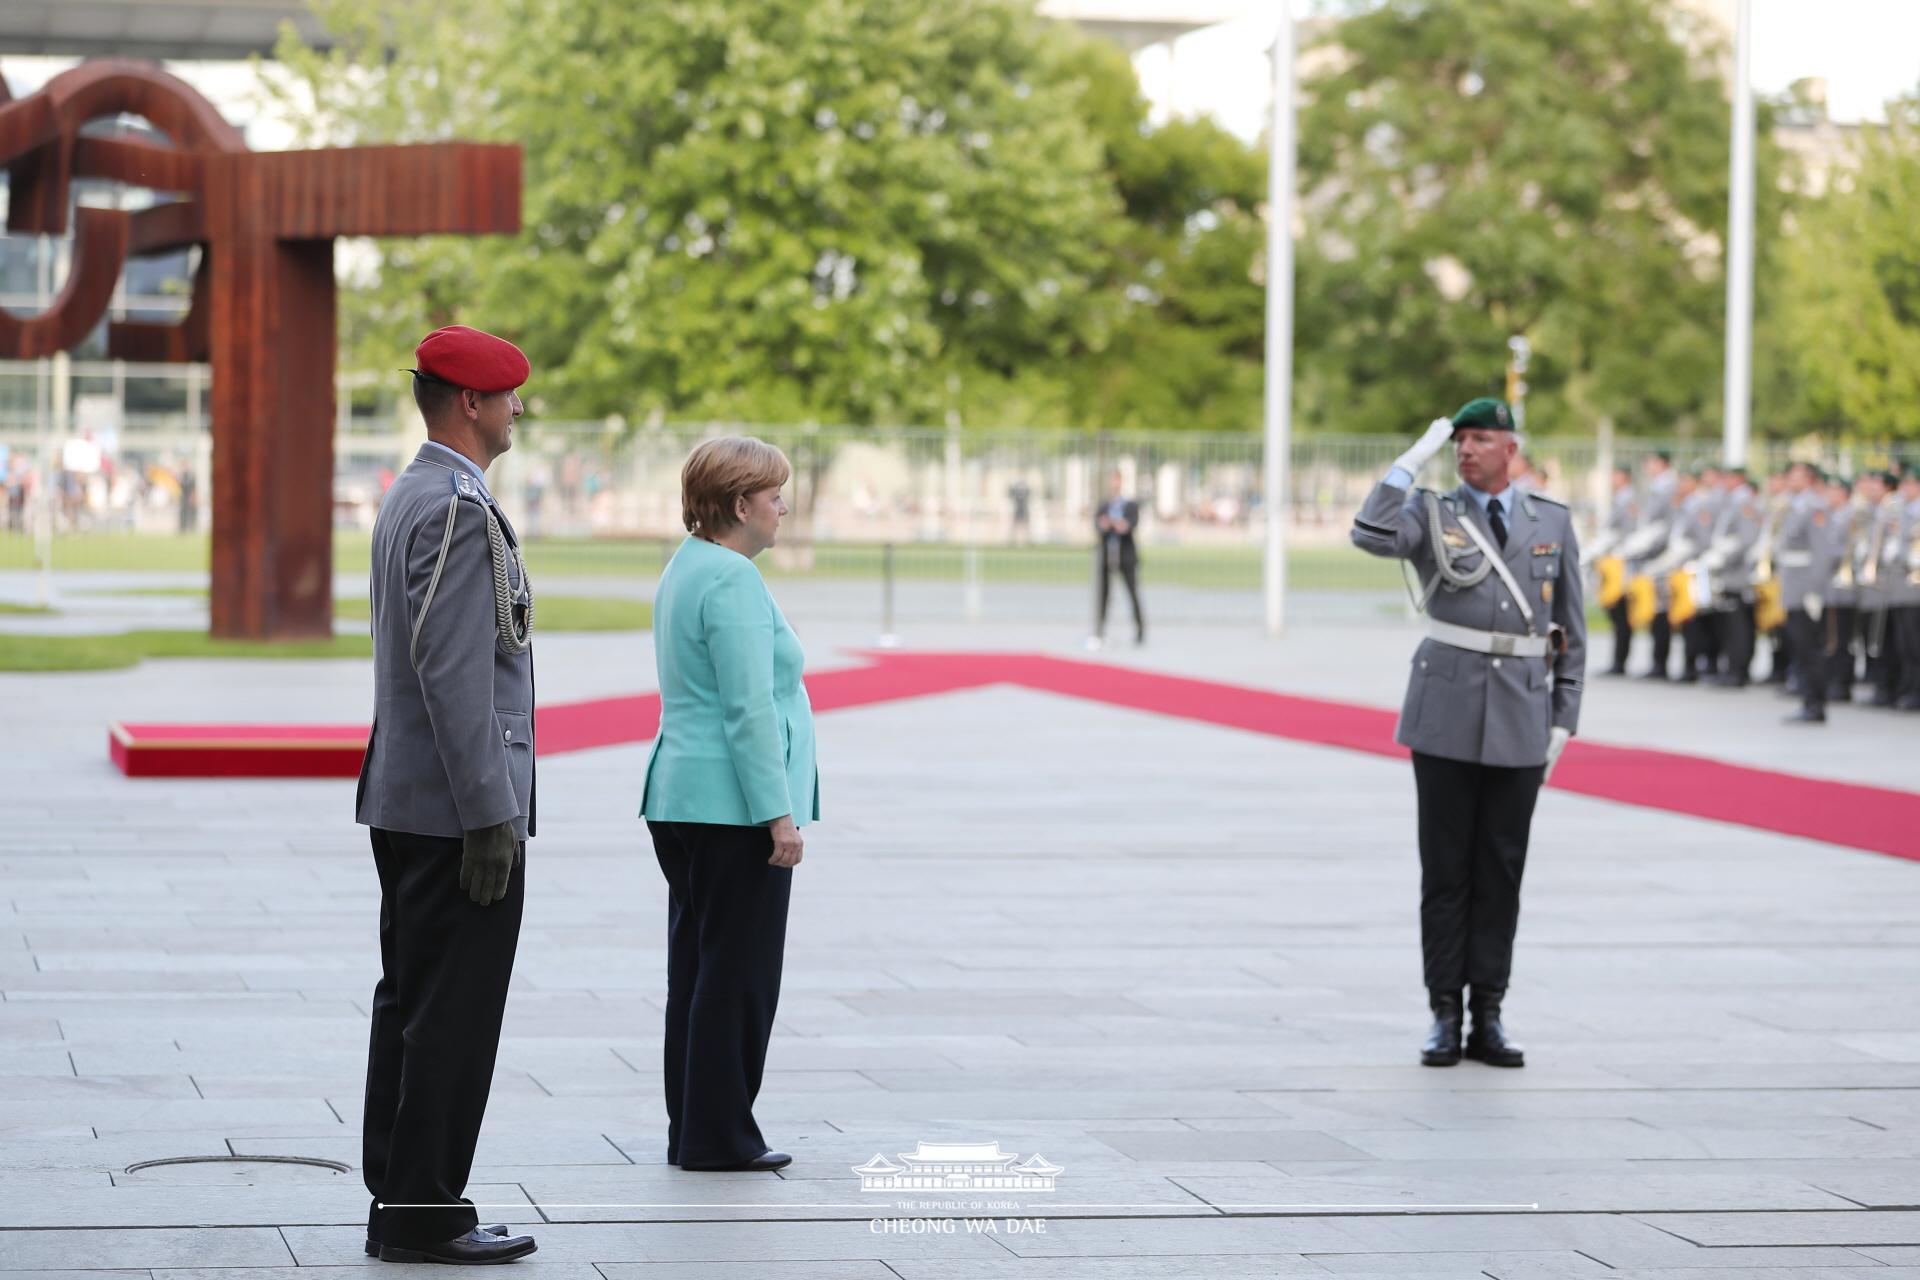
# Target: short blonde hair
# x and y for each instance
(721, 471)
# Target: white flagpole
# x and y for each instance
(1279, 374)
(1738, 395)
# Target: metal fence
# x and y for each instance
(971, 523)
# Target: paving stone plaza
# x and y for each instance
(1179, 963)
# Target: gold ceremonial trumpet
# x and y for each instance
(1768, 612)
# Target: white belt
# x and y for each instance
(1796, 559)
(1496, 642)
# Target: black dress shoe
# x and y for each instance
(765, 1162)
(373, 1246)
(476, 1248)
(1442, 1048)
(1488, 1042)
(1908, 703)
(1807, 715)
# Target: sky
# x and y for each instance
(1867, 50)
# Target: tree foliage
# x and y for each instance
(1852, 326)
(1476, 169)
(803, 210)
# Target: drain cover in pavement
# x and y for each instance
(232, 1170)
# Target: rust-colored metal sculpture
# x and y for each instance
(263, 307)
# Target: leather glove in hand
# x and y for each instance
(1556, 743)
(486, 862)
(1439, 431)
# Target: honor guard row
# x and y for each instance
(1827, 569)
(1493, 698)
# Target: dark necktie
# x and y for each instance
(1499, 525)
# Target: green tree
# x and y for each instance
(1479, 168)
(838, 210)
(1852, 320)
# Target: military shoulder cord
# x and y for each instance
(513, 636)
(1455, 579)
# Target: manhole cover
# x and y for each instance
(231, 1170)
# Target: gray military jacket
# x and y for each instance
(452, 742)
(1478, 707)
(1808, 554)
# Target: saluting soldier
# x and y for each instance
(448, 790)
(1495, 695)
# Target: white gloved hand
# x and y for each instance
(1556, 743)
(1439, 431)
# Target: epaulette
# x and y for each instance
(465, 485)
(1552, 502)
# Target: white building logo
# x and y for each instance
(957, 1166)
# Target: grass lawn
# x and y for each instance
(106, 653)
(553, 613)
(1232, 567)
(15, 610)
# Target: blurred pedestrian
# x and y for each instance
(1115, 524)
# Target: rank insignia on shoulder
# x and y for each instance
(1546, 548)
(464, 483)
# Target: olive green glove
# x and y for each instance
(486, 862)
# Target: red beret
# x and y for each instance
(472, 359)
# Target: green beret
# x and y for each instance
(1486, 413)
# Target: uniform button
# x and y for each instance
(506, 735)
(1496, 662)
(1503, 604)
(1423, 664)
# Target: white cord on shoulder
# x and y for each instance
(453, 509)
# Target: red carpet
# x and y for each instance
(1877, 819)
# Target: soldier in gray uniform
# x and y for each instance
(1623, 517)
(1657, 513)
(1698, 498)
(1727, 566)
(1847, 525)
(1807, 557)
(1903, 605)
(448, 790)
(1879, 581)
(1494, 697)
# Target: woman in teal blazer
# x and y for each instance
(730, 782)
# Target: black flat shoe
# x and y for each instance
(477, 1248)
(765, 1162)
(373, 1246)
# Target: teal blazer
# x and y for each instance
(736, 730)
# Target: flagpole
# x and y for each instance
(1738, 395)
(1279, 369)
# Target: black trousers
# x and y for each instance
(1662, 642)
(1807, 651)
(445, 962)
(1474, 824)
(1733, 632)
(726, 937)
(1129, 568)
(1904, 624)
(1622, 635)
(1842, 622)
(1700, 650)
